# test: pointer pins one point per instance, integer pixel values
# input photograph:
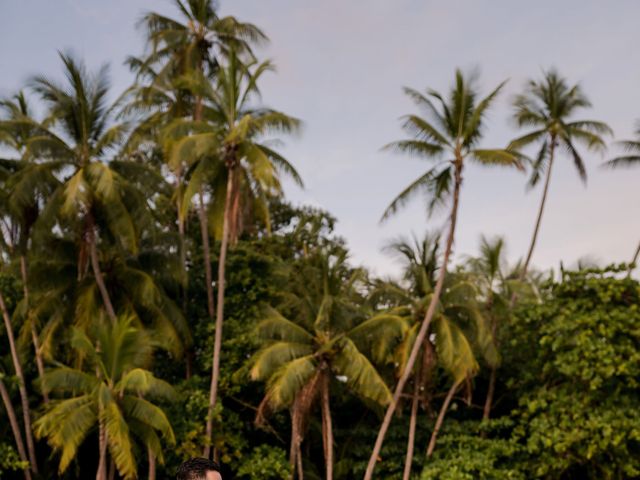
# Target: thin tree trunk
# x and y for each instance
(97, 272)
(634, 261)
(102, 446)
(423, 328)
(536, 230)
(415, 400)
(15, 427)
(217, 344)
(443, 411)
(206, 251)
(34, 332)
(486, 413)
(299, 462)
(295, 455)
(327, 427)
(112, 469)
(24, 397)
(152, 464)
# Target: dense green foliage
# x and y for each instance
(113, 219)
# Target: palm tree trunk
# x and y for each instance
(102, 446)
(634, 261)
(152, 464)
(443, 411)
(15, 427)
(206, 251)
(423, 328)
(415, 400)
(34, 332)
(295, 455)
(24, 397)
(217, 343)
(523, 273)
(327, 427)
(488, 403)
(97, 272)
(112, 469)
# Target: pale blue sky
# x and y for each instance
(341, 66)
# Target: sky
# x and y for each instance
(341, 66)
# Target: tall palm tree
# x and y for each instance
(630, 159)
(322, 337)
(73, 143)
(229, 156)
(459, 328)
(111, 391)
(448, 135)
(195, 43)
(21, 202)
(547, 106)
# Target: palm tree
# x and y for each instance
(547, 106)
(111, 392)
(323, 337)
(21, 202)
(72, 143)
(458, 328)
(197, 39)
(630, 159)
(448, 135)
(181, 47)
(228, 155)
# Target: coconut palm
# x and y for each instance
(322, 337)
(93, 198)
(190, 44)
(631, 158)
(230, 159)
(459, 329)
(110, 393)
(22, 198)
(548, 107)
(197, 39)
(448, 135)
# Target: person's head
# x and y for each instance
(199, 469)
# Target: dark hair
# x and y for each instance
(196, 469)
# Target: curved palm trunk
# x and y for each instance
(97, 272)
(217, 343)
(415, 400)
(634, 260)
(34, 332)
(24, 397)
(423, 328)
(327, 427)
(15, 427)
(523, 273)
(443, 411)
